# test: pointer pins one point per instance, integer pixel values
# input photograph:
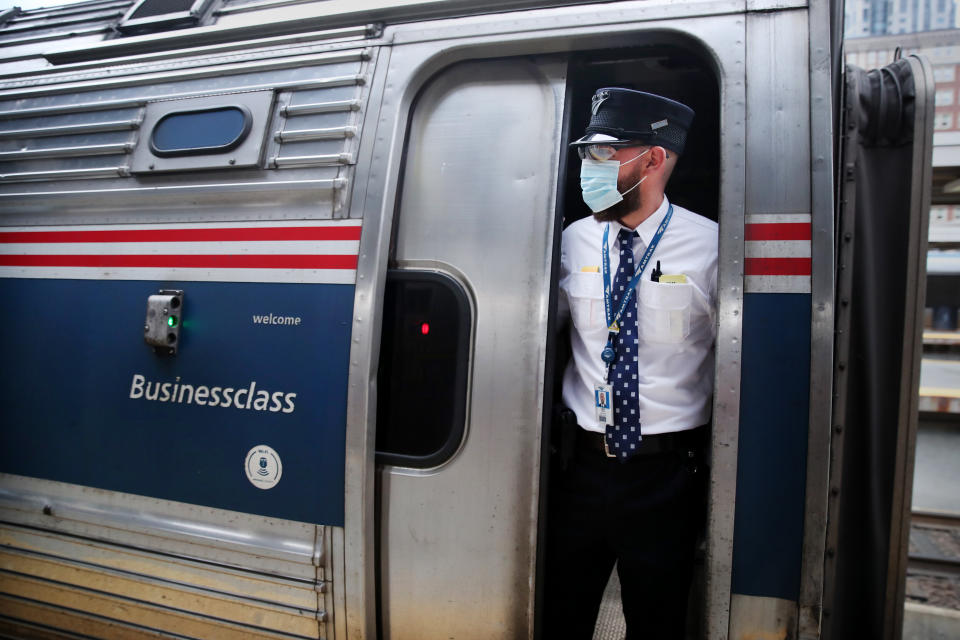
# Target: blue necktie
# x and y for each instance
(623, 436)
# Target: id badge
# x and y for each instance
(603, 403)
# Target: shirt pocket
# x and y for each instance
(665, 311)
(585, 293)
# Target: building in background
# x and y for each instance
(942, 48)
(874, 30)
(884, 17)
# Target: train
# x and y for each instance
(281, 352)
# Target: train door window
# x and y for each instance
(476, 204)
(422, 380)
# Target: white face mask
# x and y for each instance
(598, 181)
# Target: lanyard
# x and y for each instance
(613, 319)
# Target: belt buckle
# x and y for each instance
(606, 447)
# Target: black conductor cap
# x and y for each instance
(624, 115)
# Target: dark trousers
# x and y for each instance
(646, 515)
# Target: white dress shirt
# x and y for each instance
(676, 322)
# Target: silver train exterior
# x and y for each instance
(354, 150)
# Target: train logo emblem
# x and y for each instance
(263, 467)
(597, 100)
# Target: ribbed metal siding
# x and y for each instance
(62, 20)
(112, 565)
(71, 137)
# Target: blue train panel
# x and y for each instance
(86, 401)
(772, 457)
(249, 415)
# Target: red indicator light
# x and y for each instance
(425, 328)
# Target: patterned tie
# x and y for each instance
(624, 435)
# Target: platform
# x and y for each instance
(939, 384)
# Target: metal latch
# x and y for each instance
(164, 317)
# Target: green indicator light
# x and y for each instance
(172, 321)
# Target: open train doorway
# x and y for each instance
(683, 74)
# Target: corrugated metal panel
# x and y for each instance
(44, 24)
(79, 564)
(19, 33)
(315, 130)
(232, 51)
(72, 135)
(66, 146)
(26, 35)
(85, 626)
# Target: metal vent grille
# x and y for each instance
(149, 568)
(318, 127)
(75, 142)
(89, 145)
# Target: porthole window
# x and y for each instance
(200, 132)
(205, 132)
(422, 380)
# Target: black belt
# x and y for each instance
(689, 440)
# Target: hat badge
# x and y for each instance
(598, 99)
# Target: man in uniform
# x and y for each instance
(639, 281)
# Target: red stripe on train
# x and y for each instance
(255, 234)
(776, 266)
(777, 231)
(273, 261)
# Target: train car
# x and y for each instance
(280, 346)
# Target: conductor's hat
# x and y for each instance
(623, 115)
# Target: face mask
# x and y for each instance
(598, 181)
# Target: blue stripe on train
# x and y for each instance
(771, 467)
(71, 351)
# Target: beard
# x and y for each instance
(630, 203)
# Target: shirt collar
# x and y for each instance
(648, 228)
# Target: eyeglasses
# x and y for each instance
(602, 152)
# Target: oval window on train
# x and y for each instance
(422, 379)
(206, 131)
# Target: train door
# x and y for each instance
(466, 356)
(463, 351)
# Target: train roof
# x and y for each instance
(104, 30)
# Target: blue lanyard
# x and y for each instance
(613, 320)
